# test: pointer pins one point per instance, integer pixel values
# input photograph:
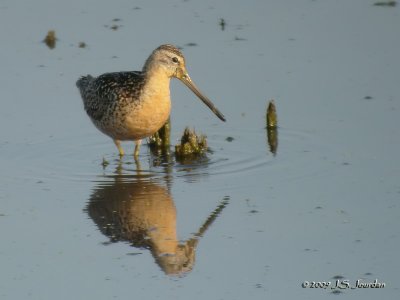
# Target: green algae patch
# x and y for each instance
(192, 145)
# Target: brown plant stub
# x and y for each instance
(160, 141)
(50, 39)
(272, 118)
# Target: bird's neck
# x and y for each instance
(157, 81)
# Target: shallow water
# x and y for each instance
(243, 223)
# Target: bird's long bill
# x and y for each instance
(190, 84)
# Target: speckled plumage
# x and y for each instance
(135, 104)
(109, 92)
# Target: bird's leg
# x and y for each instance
(137, 148)
(118, 144)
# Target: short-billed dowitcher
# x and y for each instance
(130, 106)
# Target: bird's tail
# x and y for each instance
(84, 82)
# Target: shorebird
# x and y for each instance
(132, 105)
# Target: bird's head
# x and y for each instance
(171, 61)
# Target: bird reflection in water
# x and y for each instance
(141, 211)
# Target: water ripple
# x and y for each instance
(61, 159)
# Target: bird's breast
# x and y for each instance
(148, 116)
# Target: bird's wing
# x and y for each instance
(110, 89)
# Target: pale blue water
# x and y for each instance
(326, 204)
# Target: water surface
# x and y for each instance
(244, 223)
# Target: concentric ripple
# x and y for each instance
(69, 159)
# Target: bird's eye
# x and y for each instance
(175, 59)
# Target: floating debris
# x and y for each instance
(368, 273)
(240, 39)
(114, 26)
(105, 163)
(191, 144)
(191, 44)
(82, 45)
(50, 39)
(272, 118)
(229, 139)
(222, 24)
(272, 127)
(160, 141)
(386, 3)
